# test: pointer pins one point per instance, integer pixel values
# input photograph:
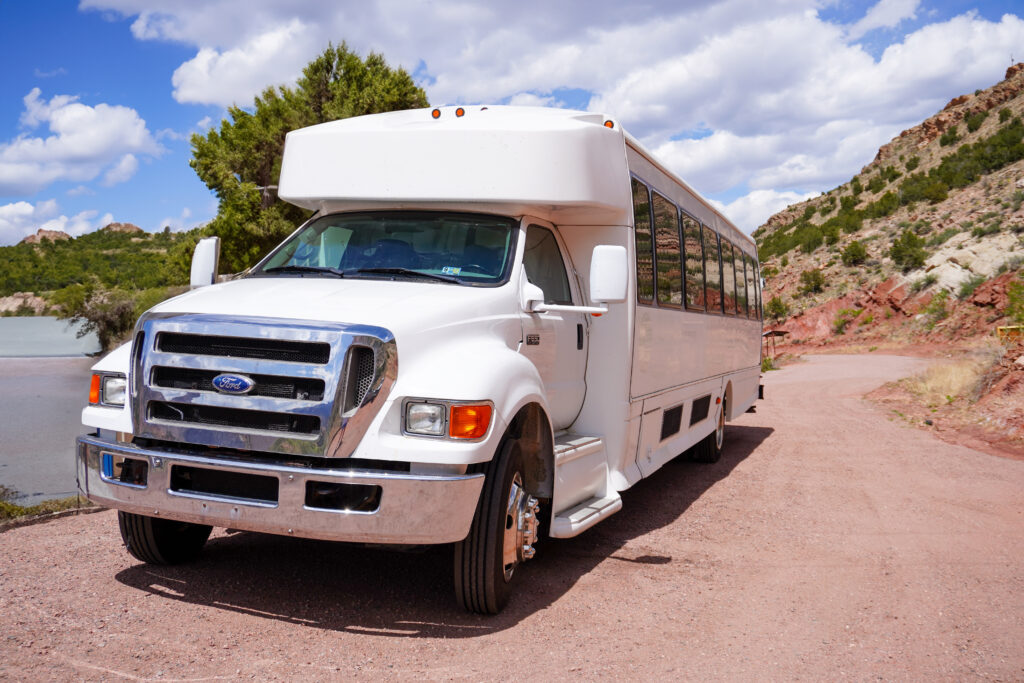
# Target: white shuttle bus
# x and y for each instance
(496, 321)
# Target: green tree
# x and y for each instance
(242, 160)
(776, 308)
(908, 251)
(854, 254)
(811, 281)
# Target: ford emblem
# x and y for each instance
(233, 384)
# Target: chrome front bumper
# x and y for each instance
(413, 508)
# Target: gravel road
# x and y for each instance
(828, 543)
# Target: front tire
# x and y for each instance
(501, 537)
(161, 541)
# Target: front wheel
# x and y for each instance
(161, 541)
(501, 537)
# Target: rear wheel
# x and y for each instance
(709, 450)
(161, 541)
(501, 537)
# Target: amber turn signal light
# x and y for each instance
(609, 124)
(469, 422)
(94, 390)
(460, 112)
(436, 113)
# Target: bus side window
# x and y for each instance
(667, 259)
(757, 286)
(694, 264)
(751, 290)
(643, 242)
(728, 277)
(741, 282)
(712, 270)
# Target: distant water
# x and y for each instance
(22, 337)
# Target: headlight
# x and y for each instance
(425, 418)
(113, 391)
(107, 390)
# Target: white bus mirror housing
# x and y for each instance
(204, 262)
(608, 274)
(533, 297)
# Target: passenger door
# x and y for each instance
(555, 341)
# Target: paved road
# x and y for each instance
(828, 543)
(41, 402)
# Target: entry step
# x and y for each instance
(568, 446)
(579, 518)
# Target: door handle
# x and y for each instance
(579, 336)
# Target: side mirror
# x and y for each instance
(533, 296)
(608, 274)
(204, 262)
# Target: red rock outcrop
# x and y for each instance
(41, 234)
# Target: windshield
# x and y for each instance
(450, 247)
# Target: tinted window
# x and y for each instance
(728, 278)
(741, 282)
(751, 290)
(644, 244)
(757, 288)
(667, 257)
(694, 264)
(712, 272)
(544, 266)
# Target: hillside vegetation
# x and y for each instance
(938, 212)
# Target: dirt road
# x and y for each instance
(828, 543)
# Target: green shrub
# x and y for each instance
(924, 282)
(968, 286)
(912, 163)
(921, 187)
(885, 205)
(908, 251)
(876, 183)
(854, 254)
(811, 281)
(856, 187)
(844, 317)
(1004, 115)
(1015, 302)
(808, 212)
(975, 120)
(847, 203)
(949, 137)
(784, 262)
(767, 364)
(866, 320)
(776, 308)
(942, 237)
(936, 309)
(813, 238)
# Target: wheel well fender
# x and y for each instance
(728, 401)
(532, 429)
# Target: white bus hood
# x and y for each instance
(405, 308)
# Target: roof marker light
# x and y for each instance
(436, 113)
(609, 124)
(460, 112)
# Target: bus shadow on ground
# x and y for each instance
(356, 589)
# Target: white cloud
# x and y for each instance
(234, 76)
(59, 71)
(21, 219)
(885, 14)
(753, 209)
(84, 142)
(121, 171)
(79, 190)
(787, 102)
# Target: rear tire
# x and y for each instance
(709, 450)
(501, 537)
(161, 541)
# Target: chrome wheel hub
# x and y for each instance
(520, 527)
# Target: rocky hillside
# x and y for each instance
(936, 219)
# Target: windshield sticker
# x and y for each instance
(451, 270)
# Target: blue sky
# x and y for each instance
(756, 104)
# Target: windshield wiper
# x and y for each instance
(306, 269)
(408, 271)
